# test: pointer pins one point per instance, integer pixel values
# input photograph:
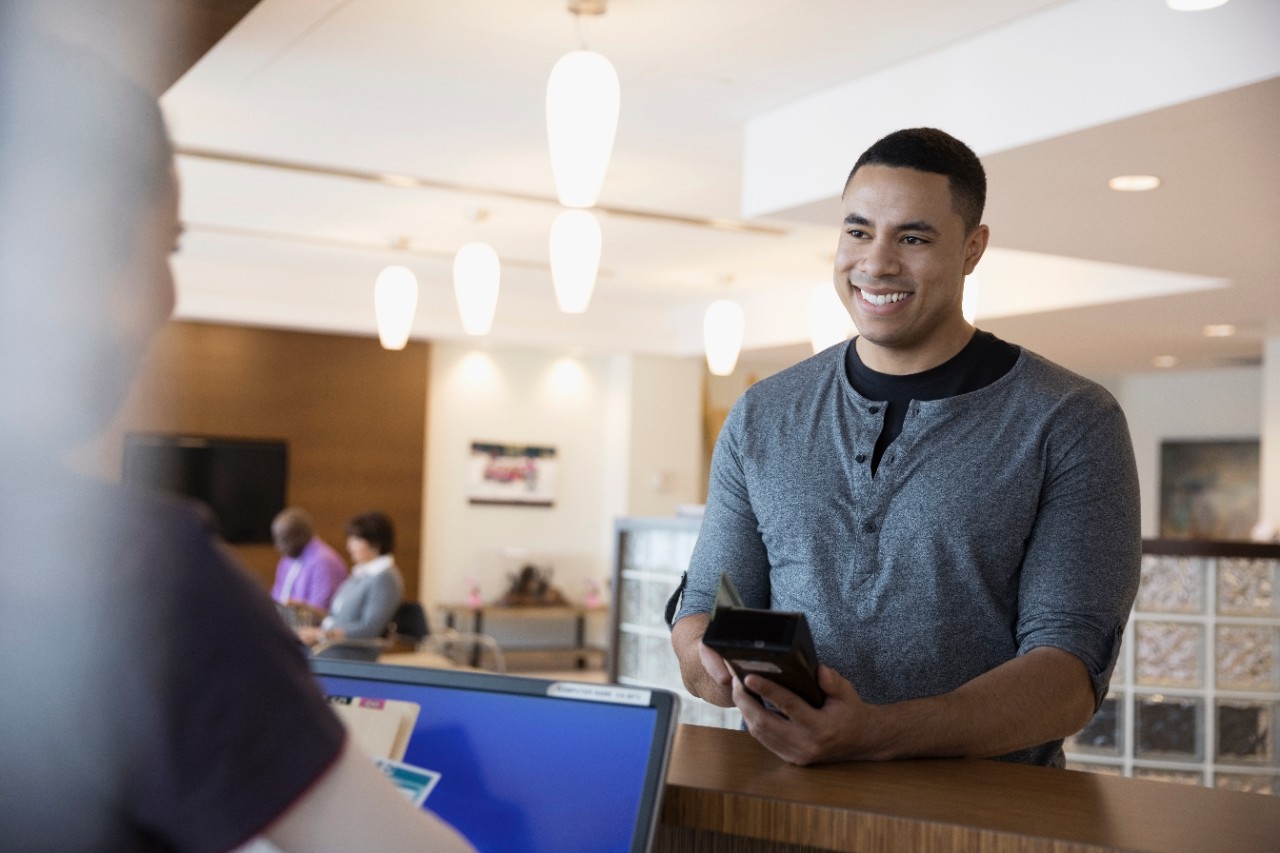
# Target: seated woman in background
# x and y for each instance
(364, 603)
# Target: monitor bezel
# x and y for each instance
(664, 703)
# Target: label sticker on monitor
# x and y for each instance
(600, 693)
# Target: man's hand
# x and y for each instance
(1037, 697)
(705, 673)
(307, 610)
(308, 635)
(845, 728)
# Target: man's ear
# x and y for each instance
(975, 246)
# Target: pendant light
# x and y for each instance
(829, 322)
(575, 258)
(395, 298)
(971, 298)
(722, 329)
(582, 118)
(476, 273)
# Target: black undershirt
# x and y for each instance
(982, 361)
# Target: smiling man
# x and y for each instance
(956, 516)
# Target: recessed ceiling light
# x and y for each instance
(1219, 330)
(1193, 5)
(1165, 360)
(1133, 183)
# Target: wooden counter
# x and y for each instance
(727, 793)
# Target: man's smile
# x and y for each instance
(881, 298)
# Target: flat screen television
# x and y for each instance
(242, 481)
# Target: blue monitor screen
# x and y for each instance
(527, 772)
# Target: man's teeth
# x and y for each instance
(883, 299)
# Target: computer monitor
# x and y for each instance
(524, 764)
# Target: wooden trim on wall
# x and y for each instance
(353, 414)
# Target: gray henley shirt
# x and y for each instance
(999, 521)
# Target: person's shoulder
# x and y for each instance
(1039, 378)
(322, 550)
(801, 377)
(144, 517)
(154, 548)
(394, 577)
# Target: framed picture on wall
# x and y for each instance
(1209, 489)
(511, 475)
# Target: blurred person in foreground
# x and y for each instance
(309, 571)
(150, 699)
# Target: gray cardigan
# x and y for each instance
(364, 603)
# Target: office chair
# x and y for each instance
(409, 625)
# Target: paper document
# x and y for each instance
(380, 727)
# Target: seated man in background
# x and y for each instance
(309, 571)
(170, 709)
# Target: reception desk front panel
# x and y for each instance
(727, 793)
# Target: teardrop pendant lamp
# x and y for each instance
(971, 298)
(723, 327)
(575, 258)
(829, 322)
(395, 299)
(583, 98)
(476, 274)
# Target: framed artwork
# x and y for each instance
(1209, 489)
(512, 475)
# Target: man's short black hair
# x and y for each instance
(374, 528)
(928, 149)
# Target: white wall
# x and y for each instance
(1222, 403)
(666, 435)
(627, 432)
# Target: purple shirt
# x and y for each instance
(319, 572)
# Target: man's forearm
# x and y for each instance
(1041, 696)
(352, 806)
(686, 639)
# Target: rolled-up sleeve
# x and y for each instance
(1083, 558)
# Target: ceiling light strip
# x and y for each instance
(346, 243)
(415, 182)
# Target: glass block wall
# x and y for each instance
(1196, 694)
(650, 554)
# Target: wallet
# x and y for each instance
(774, 644)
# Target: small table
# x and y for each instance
(454, 613)
(428, 660)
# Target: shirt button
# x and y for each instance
(869, 527)
(874, 409)
(860, 458)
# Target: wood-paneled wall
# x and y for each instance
(353, 414)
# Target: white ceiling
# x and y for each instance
(293, 115)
